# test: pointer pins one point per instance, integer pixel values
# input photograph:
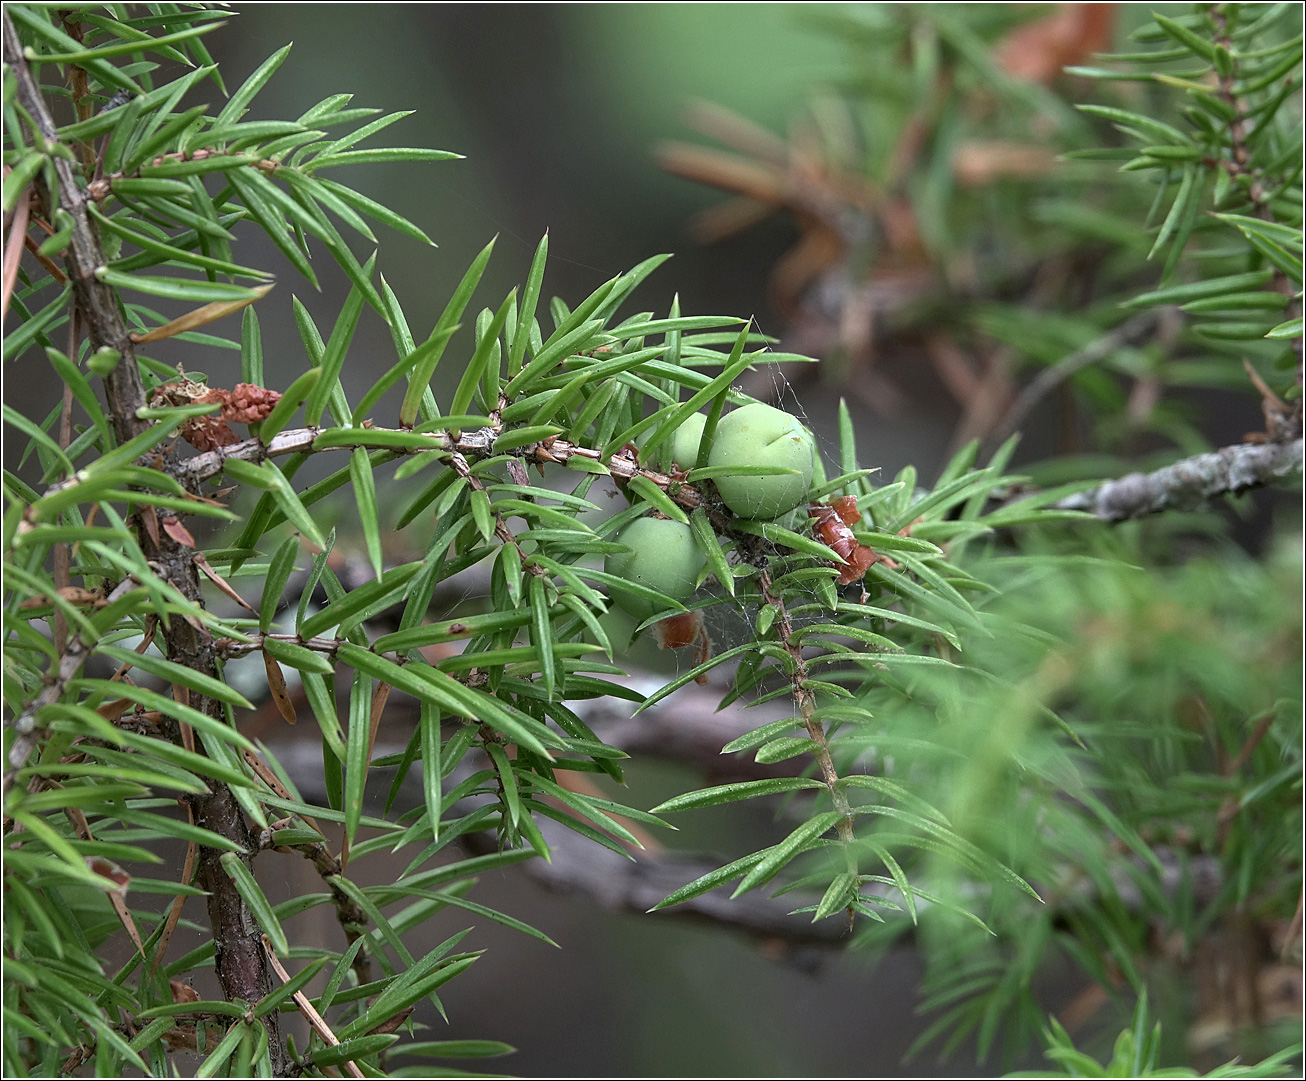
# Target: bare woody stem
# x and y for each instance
(101, 189)
(352, 919)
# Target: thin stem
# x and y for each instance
(101, 188)
(28, 724)
(806, 703)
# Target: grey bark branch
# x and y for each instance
(471, 444)
(1190, 482)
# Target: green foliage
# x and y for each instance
(1137, 1053)
(1228, 182)
(1004, 712)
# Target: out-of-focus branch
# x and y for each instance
(635, 885)
(1190, 482)
(1050, 378)
(689, 727)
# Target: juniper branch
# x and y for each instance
(239, 959)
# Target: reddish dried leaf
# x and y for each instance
(859, 562)
(676, 632)
(846, 508)
(833, 530)
(208, 433)
(217, 579)
(150, 518)
(1039, 50)
(98, 865)
(178, 532)
(111, 711)
(379, 698)
(277, 685)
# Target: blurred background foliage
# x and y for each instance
(897, 204)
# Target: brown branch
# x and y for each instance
(76, 816)
(1189, 483)
(53, 270)
(459, 465)
(352, 919)
(1240, 166)
(314, 1018)
(806, 703)
(83, 257)
(174, 910)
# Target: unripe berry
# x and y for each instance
(683, 447)
(680, 448)
(662, 556)
(760, 435)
